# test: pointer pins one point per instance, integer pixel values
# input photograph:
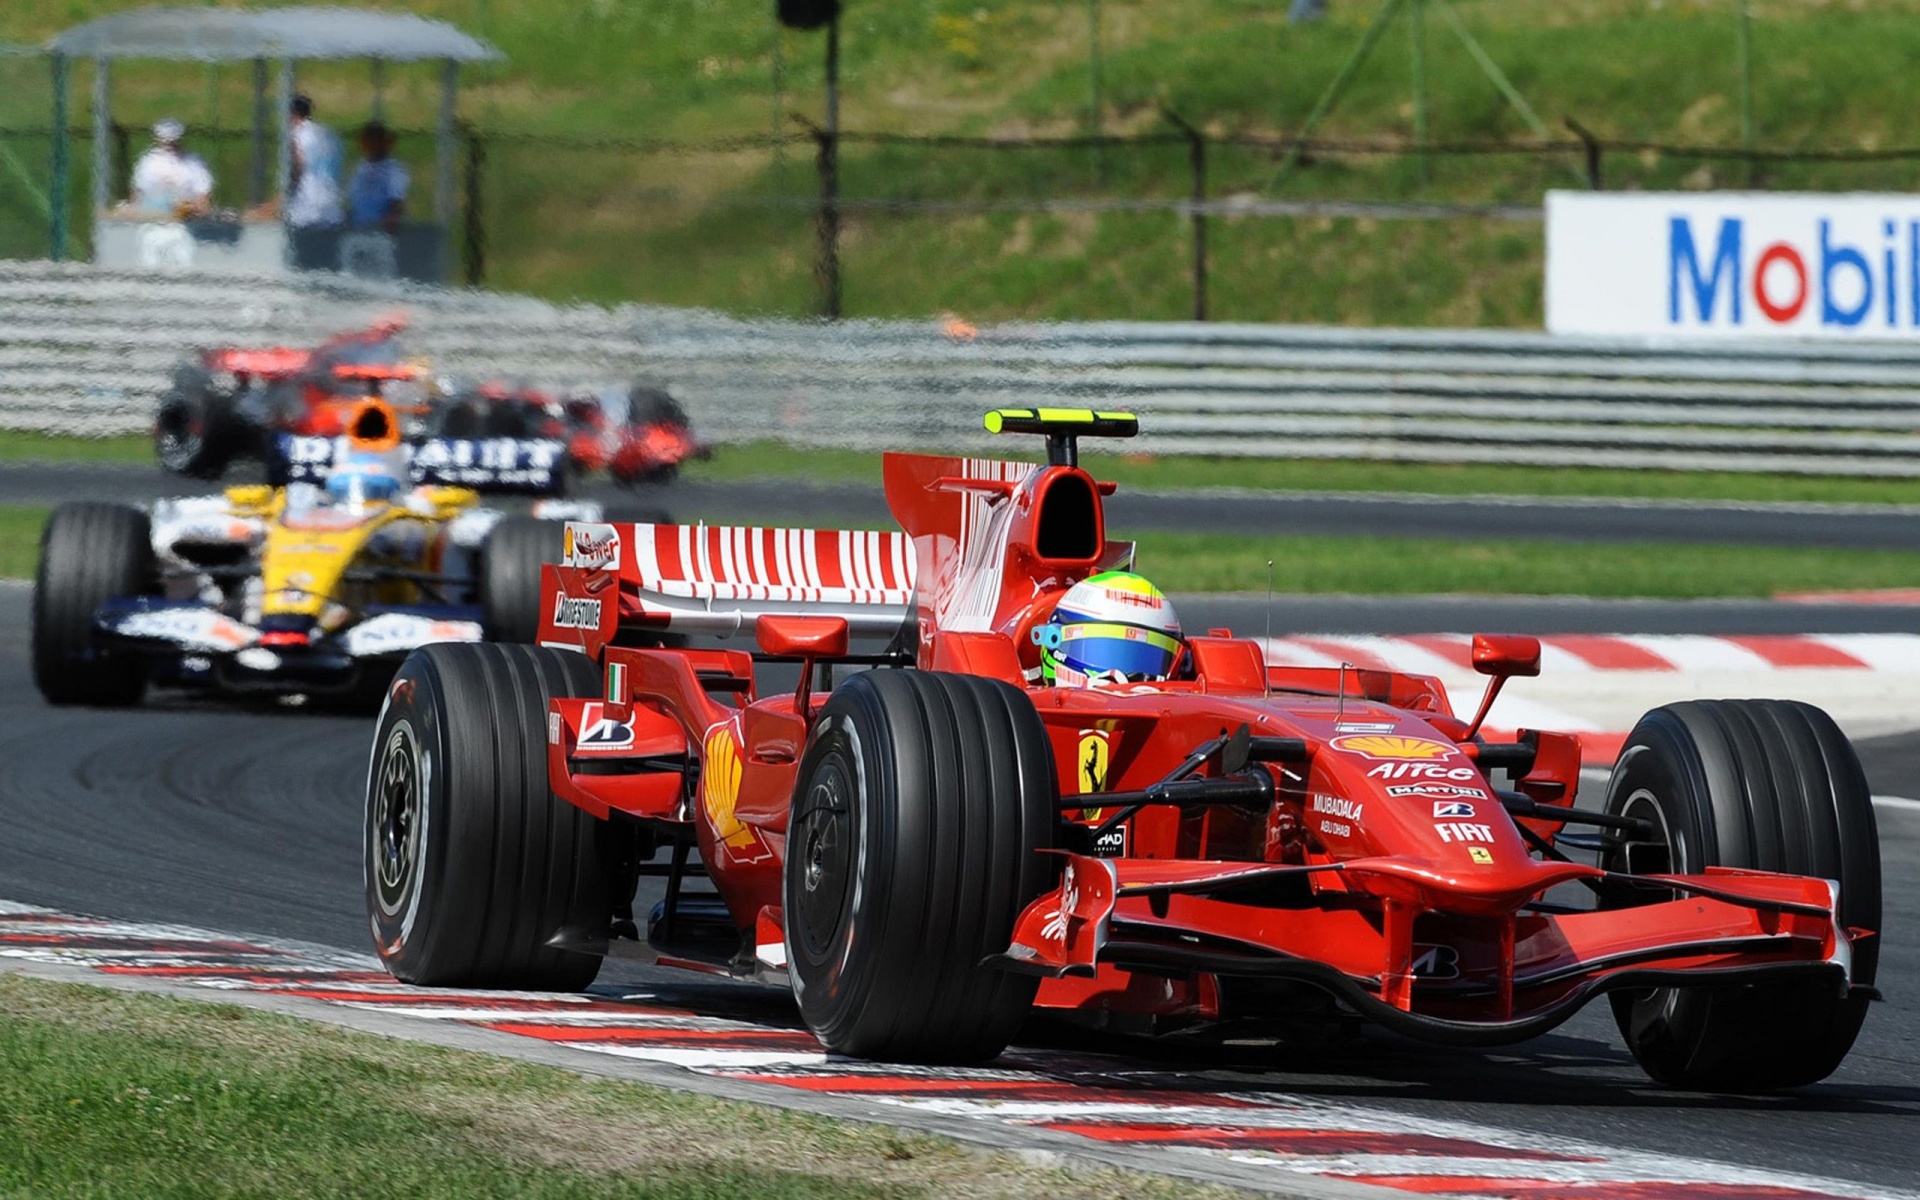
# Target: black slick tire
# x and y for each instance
(89, 553)
(920, 809)
(472, 864)
(196, 431)
(1769, 785)
(510, 565)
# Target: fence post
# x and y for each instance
(1197, 160)
(62, 142)
(474, 236)
(827, 265)
(1591, 145)
(1746, 91)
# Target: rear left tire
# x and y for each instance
(472, 865)
(1770, 785)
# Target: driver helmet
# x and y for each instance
(1112, 628)
(362, 477)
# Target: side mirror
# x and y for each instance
(1506, 654)
(789, 636)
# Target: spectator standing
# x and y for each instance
(313, 199)
(168, 180)
(377, 193)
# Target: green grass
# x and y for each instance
(1376, 565)
(1223, 563)
(20, 446)
(774, 460)
(108, 1094)
(20, 540)
(614, 223)
(1178, 472)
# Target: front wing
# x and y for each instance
(1476, 980)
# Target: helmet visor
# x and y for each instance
(1105, 651)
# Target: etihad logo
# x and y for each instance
(1391, 747)
(590, 546)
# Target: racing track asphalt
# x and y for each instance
(246, 819)
(1237, 512)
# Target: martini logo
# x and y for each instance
(720, 780)
(591, 546)
(1439, 789)
(1392, 748)
(1096, 754)
(575, 614)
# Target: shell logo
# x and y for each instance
(1395, 748)
(720, 778)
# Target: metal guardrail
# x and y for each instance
(86, 351)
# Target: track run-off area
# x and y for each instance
(213, 849)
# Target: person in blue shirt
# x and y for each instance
(377, 192)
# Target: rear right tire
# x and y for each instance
(920, 810)
(89, 553)
(1770, 785)
(510, 563)
(472, 864)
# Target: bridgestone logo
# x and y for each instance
(575, 614)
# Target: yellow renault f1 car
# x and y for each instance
(319, 587)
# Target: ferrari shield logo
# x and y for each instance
(1096, 751)
(1481, 855)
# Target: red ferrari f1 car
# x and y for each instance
(973, 829)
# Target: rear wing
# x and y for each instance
(522, 466)
(717, 580)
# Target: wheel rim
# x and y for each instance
(180, 437)
(824, 860)
(1651, 1004)
(399, 801)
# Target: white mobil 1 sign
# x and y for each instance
(1734, 264)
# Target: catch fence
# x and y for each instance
(1174, 222)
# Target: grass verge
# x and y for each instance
(1409, 566)
(1404, 566)
(1182, 472)
(21, 446)
(775, 460)
(20, 540)
(106, 1093)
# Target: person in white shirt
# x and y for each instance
(166, 179)
(313, 201)
(377, 193)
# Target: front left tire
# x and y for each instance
(472, 866)
(1768, 785)
(89, 553)
(920, 812)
